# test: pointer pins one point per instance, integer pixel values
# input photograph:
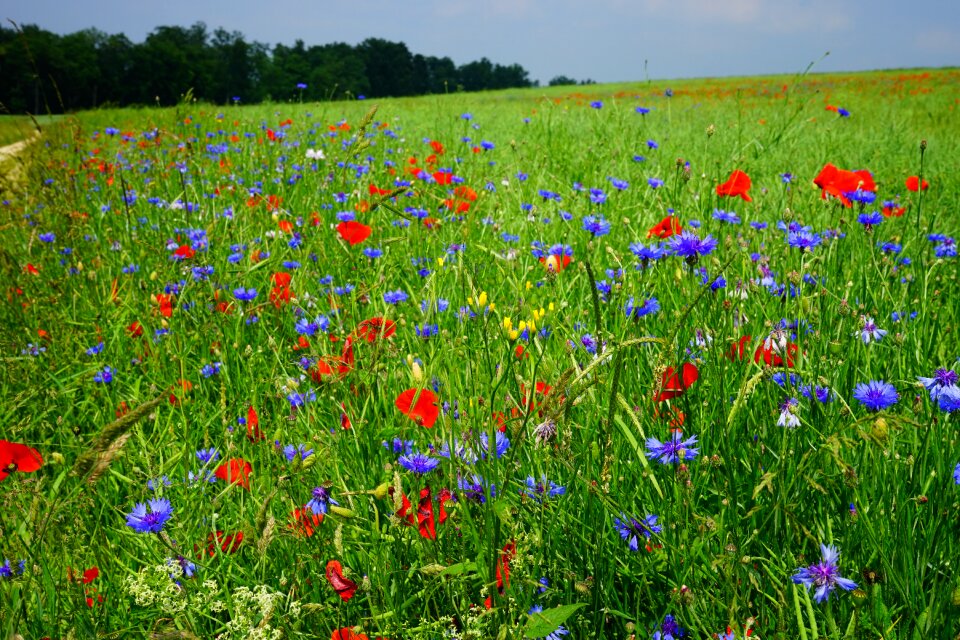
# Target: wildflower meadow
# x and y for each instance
(649, 360)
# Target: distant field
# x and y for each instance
(647, 360)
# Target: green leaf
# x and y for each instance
(547, 621)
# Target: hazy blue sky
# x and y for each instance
(606, 40)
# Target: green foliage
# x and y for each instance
(738, 519)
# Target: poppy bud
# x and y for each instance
(340, 511)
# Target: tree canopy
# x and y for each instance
(44, 71)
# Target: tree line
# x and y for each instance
(44, 71)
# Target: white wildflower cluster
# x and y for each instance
(158, 587)
(315, 154)
(251, 614)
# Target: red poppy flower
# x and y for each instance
(914, 184)
(377, 191)
(166, 304)
(674, 384)
(667, 227)
(736, 185)
(420, 405)
(285, 225)
(772, 357)
(405, 512)
(254, 434)
(184, 252)
(235, 471)
(32, 270)
(437, 147)
(373, 329)
(18, 457)
(555, 263)
(736, 350)
(443, 177)
(344, 587)
(503, 566)
(353, 232)
(425, 521)
(346, 633)
(894, 211)
(90, 575)
(304, 521)
(839, 183)
(228, 543)
(135, 329)
(445, 497)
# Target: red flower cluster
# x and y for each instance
(840, 183)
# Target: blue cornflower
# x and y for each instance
(473, 488)
(597, 196)
(542, 490)
(729, 217)
(395, 297)
(942, 378)
(825, 575)
(647, 254)
(655, 183)
(652, 144)
(8, 572)
(597, 225)
(47, 237)
(862, 197)
(95, 349)
(320, 501)
(589, 343)
(890, 247)
(426, 331)
(869, 220)
(419, 463)
(245, 295)
(689, 246)
(292, 452)
(187, 568)
(206, 456)
(788, 413)
(956, 474)
(669, 629)
(949, 399)
(372, 252)
(803, 240)
(210, 370)
(876, 394)
(501, 443)
(673, 450)
(843, 113)
(630, 529)
(870, 331)
(557, 633)
(105, 376)
(399, 446)
(642, 110)
(152, 521)
(786, 178)
(597, 104)
(648, 307)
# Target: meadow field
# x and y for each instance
(651, 360)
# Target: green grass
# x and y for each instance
(738, 519)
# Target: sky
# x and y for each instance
(603, 40)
